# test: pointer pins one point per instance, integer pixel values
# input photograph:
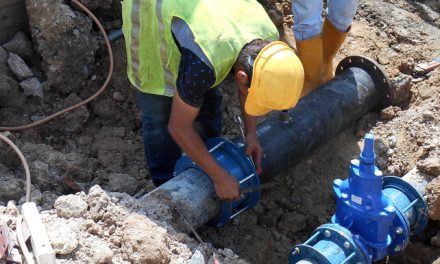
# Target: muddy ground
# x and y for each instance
(63, 61)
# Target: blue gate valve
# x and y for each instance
(374, 217)
(233, 159)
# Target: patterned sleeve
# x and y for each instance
(194, 79)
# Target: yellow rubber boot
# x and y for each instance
(332, 40)
(310, 52)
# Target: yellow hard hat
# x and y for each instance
(277, 82)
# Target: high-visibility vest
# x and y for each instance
(221, 28)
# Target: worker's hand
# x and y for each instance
(253, 148)
(227, 187)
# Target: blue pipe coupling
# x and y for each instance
(374, 217)
(233, 159)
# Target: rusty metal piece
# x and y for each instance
(6, 243)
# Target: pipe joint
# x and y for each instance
(329, 244)
(233, 159)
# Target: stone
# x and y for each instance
(392, 141)
(3, 56)
(10, 96)
(70, 206)
(11, 188)
(197, 258)
(386, 55)
(429, 166)
(113, 161)
(120, 182)
(48, 200)
(21, 45)
(144, 241)
(19, 67)
(11, 209)
(390, 152)
(117, 96)
(389, 112)
(428, 116)
(36, 196)
(67, 59)
(435, 240)
(433, 199)
(100, 252)
(407, 66)
(228, 253)
(32, 87)
(401, 93)
(62, 236)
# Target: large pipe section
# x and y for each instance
(359, 86)
(374, 218)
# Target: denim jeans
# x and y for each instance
(160, 149)
(308, 18)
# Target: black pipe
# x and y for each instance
(359, 86)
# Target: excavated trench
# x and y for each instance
(101, 143)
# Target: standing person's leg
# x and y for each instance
(160, 149)
(307, 29)
(340, 15)
(209, 120)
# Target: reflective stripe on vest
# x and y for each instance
(221, 29)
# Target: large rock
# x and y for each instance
(66, 42)
(144, 241)
(19, 67)
(21, 45)
(70, 206)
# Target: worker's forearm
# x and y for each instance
(191, 143)
(250, 122)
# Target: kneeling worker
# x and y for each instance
(178, 51)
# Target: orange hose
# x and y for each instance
(103, 87)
